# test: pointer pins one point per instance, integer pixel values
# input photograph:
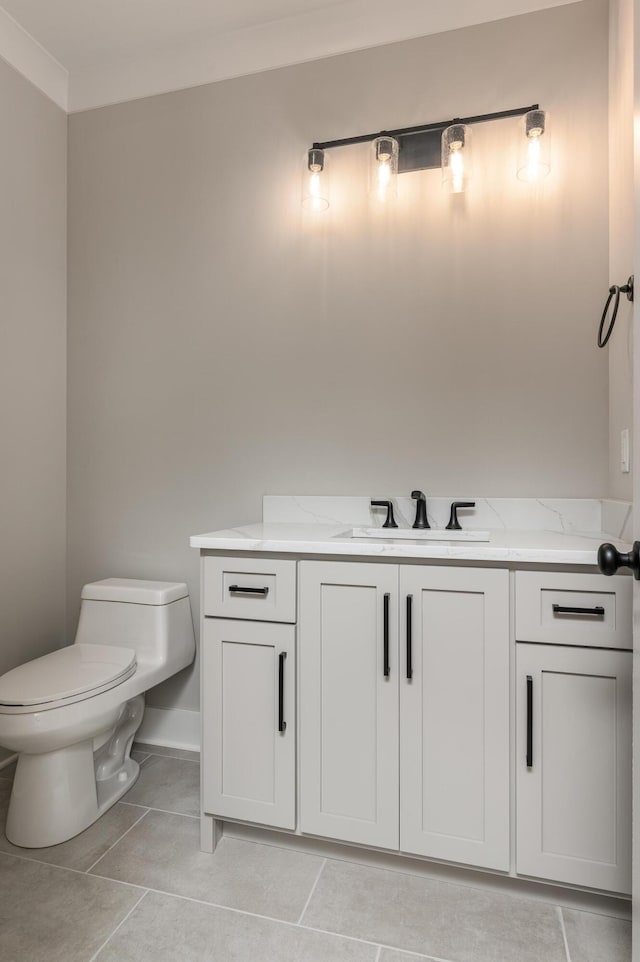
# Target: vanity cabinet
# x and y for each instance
(573, 730)
(416, 708)
(404, 708)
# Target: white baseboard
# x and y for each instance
(171, 728)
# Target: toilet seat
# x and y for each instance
(65, 676)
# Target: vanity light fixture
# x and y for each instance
(456, 157)
(445, 144)
(383, 168)
(315, 187)
(533, 153)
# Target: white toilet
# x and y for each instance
(72, 714)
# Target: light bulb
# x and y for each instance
(456, 157)
(315, 187)
(533, 159)
(383, 168)
(384, 178)
(456, 161)
(314, 190)
(533, 150)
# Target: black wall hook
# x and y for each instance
(614, 295)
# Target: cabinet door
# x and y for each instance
(248, 714)
(454, 714)
(348, 705)
(574, 770)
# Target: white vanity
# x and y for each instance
(462, 702)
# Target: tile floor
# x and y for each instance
(136, 888)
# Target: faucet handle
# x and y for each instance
(390, 520)
(454, 524)
(421, 510)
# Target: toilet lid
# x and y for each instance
(75, 670)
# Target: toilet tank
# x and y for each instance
(152, 617)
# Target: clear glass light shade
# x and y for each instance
(456, 157)
(315, 182)
(534, 152)
(383, 168)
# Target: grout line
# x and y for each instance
(137, 822)
(180, 758)
(8, 761)
(120, 924)
(313, 888)
(163, 811)
(564, 934)
(378, 954)
(67, 868)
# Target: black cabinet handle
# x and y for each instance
(529, 721)
(239, 590)
(409, 638)
(282, 725)
(386, 667)
(597, 611)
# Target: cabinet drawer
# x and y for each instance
(249, 588)
(574, 609)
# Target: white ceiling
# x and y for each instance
(104, 51)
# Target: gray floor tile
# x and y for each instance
(434, 918)
(162, 852)
(171, 784)
(597, 938)
(48, 914)
(83, 850)
(169, 752)
(139, 757)
(165, 929)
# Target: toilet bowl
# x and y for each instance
(72, 714)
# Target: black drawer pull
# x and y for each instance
(409, 638)
(529, 721)
(597, 612)
(386, 667)
(239, 590)
(282, 725)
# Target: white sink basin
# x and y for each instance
(420, 534)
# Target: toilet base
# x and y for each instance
(59, 794)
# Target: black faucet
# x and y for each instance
(390, 521)
(454, 524)
(421, 510)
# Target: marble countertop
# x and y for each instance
(525, 547)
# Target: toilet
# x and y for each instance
(72, 714)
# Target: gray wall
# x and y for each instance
(32, 370)
(621, 188)
(221, 346)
